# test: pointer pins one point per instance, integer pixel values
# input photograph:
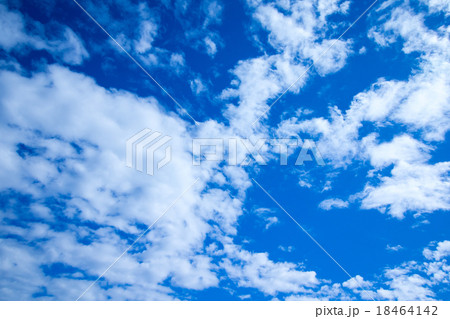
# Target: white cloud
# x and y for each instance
(257, 83)
(413, 280)
(13, 27)
(394, 248)
(94, 185)
(438, 6)
(213, 11)
(148, 31)
(79, 161)
(287, 249)
(197, 86)
(419, 188)
(297, 32)
(331, 203)
(357, 283)
(65, 45)
(256, 270)
(403, 148)
(211, 47)
(177, 62)
(100, 188)
(301, 32)
(442, 250)
(420, 104)
(271, 221)
(71, 48)
(74, 154)
(265, 214)
(200, 29)
(304, 183)
(405, 286)
(324, 292)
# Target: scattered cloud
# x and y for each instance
(61, 41)
(394, 248)
(442, 249)
(331, 203)
(420, 103)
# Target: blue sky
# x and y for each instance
(375, 102)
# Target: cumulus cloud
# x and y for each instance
(417, 188)
(356, 283)
(442, 250)
(256, 270)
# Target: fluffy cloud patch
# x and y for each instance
(331, 203)
(256, 270)
(63, 43)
